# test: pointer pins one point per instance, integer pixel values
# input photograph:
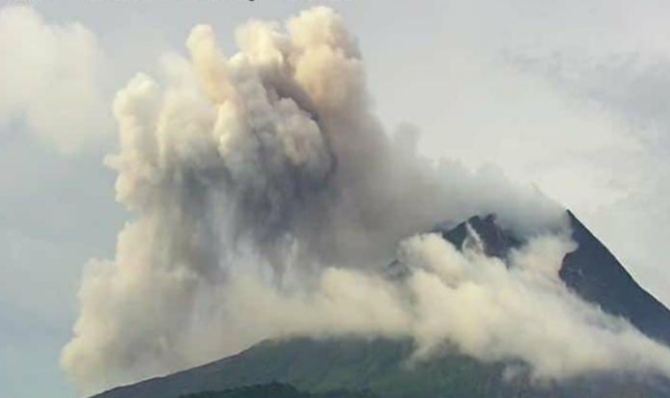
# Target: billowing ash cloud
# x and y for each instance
(462, 301)
(267, 202)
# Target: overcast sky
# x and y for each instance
(573, 97)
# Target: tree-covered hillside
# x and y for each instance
(277, 390)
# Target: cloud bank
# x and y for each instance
(267, 202)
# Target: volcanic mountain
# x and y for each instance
(358, 367)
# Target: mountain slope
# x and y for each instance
(381, 366)
(598, 277)
(276, 390)
(385, 366)
(591, 271)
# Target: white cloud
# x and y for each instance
(485, 307)
(52, 80)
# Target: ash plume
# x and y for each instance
(267, 200)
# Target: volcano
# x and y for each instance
(380, 367)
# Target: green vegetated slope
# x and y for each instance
(385, 367)
(277, 390)
(381, 367)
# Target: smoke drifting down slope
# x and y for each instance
(268, 200)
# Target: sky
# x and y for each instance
(571, 98)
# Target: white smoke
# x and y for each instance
(478, 305)
(268, 200)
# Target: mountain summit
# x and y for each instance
(591, 271)
(383, 367)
